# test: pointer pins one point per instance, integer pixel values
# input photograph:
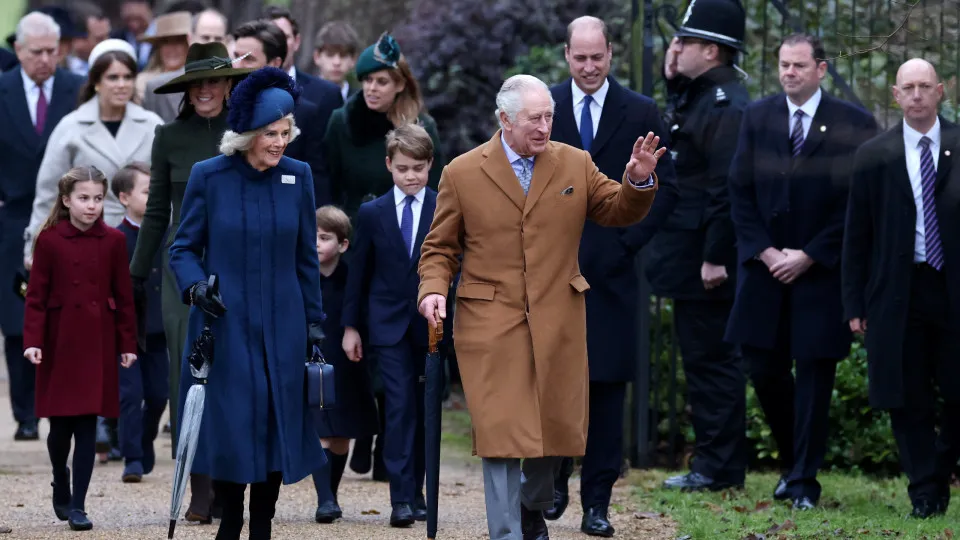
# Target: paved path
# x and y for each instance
(140, 511)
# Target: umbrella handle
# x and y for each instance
(436, 334)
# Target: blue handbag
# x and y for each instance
(321, 390)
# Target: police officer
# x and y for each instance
(693, 257)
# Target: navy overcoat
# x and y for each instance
(257, 231)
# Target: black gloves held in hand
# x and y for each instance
(315, 335)
(211, 304)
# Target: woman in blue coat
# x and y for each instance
(248, 216)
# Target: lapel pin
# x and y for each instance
(823, 129)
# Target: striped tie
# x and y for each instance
(928, 176)
(796, 137)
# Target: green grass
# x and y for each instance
(455, 439)
(851, 507)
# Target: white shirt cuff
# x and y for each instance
(649, 183)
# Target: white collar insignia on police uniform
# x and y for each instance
(721, 95)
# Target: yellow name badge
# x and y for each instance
(288, 179)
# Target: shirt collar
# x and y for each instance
(911, 137)
(512, 156)
(599, 96)
(131, 222)
(399, 196)
(29, 85)
(809, 108)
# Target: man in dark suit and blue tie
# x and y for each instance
(901, 282)
(788, 195)
(595, 113)
(381, 292)
(35, 96)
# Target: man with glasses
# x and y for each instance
(693, 255)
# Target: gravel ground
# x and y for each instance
(140, 511)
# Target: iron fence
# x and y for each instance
(865, 41)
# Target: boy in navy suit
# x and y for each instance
(143, 386)
(383, 284)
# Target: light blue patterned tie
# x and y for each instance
(406, 224)
(526, 174)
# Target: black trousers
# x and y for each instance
(600, 465)
(263, 505)
(797, 410)
(22, 376)
(928, 458)
(716, 389)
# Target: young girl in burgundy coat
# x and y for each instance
(79, 278)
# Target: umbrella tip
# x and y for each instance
(173, 525)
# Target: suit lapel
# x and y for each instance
(779, 119)
(131, 134)
(818, 126)
(612, 115)
(63, 100)
(426, 219)
(898, 162)
(388, 218)
(566, 122)
(543, 168)
(948, 145)
(16, 103)
(499, 170)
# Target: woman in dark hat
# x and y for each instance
(249, 216)
(356, 135)
(194, 136)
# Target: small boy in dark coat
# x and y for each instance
(143, 387)
(383, 285)
(355, 414)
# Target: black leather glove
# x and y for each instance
(315, 335)
(211, 304)
(140, 307)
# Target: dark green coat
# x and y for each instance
(356, 149)
(176, 147)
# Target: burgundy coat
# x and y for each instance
(82, 280)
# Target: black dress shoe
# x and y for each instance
(924, 509)
(61, 498)
(402, 515)
(697, 482)
(595, 523)
(361, 458)
(420, 508)
(780, 492)
(78, 521)
(26, 432)
(328, 512)
(804, 503)
(532, 524)
(561, 491)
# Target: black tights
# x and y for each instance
(82, 430)
(263, 504)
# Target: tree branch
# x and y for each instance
(884, 40)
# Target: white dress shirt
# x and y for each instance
(911, 147)
(416, 206)
(32, 90)
(596, 106)
(809, 110)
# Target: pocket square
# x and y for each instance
(568, 191)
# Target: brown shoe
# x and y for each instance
(197, 518)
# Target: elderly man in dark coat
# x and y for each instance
(596, 114)
(901, 281)
(788, 195)
(35, 96)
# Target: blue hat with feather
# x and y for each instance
(265, 96)
(384, 54)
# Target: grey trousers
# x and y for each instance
(507, 484)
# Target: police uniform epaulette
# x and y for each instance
(721, 96)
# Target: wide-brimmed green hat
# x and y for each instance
(204, 61)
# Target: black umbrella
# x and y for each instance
(433, 405)
(200, 361)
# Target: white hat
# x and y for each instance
(108, 45)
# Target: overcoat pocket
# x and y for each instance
(476, 291)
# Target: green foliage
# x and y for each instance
(852, 506)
